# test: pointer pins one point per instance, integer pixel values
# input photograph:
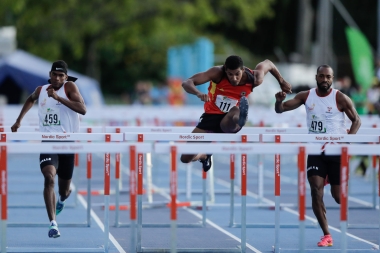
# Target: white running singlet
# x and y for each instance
(54, 116)
(323, 115)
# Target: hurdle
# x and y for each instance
(64, 147)
(175, 137)
(59, 137)
(323, 138)
(233, 148)
(345, 151)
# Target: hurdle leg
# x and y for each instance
(149, 182)
(107, 168)
(140, 169)
(189, 168)
(277, 204)
(204, 187)
(211, 182)
(117, 188)
(4, 197)
(232, 189)
(76, 178)
(173, 193)
(261, 178)
(89, 166)
(374, 182)
(343, 198)
(301, 196)
(132, 197)
(243, 202)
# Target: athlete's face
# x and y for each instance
(324, 79)
(234, 76)
(57, 78)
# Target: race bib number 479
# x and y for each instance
(317, 123)
(225, 103)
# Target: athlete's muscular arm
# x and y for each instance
(267, 66)
(75, 101)
(26, 107)
(291, 104)
(345, 104)
(212, 74)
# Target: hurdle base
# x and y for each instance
(15, 224)
(164, 225)
(270, 225)
(64, 250)
(363, 226)
(191, 250)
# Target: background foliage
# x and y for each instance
(122, 41)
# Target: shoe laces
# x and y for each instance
(326, 238)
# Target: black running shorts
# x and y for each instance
(322, 165)
(64, 164)
(211, 122)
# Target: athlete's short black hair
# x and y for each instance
(324, 66)
(233, 62)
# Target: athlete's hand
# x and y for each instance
(286, 87)
(52, 94)
(203, 97)
(280, 96)
(15, 127)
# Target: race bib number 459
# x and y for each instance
(51, 117)
(225, 103)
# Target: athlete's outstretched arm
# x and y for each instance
(345, 104)
(26, 107)
(211, 74)
(267, 66)
(291, 104)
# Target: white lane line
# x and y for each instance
(213, 224)
(101, 225)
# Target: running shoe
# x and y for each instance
(326, 241)
(59, 207)
(53, 231)
(206, 163)
(243, 107)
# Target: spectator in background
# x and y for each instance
(159, 94)
(142, 93)
(346, 86)
(373, 98)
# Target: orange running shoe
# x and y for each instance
(326, 241)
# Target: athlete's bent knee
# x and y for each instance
(185, 159)
(49, 180)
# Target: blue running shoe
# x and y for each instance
(206, 163)
(59, 207)
(243, 107)
(53, 231)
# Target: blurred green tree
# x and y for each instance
(122, 41)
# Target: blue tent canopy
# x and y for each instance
(29, 71)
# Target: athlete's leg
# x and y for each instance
(49, 173)
(186, 158)
(65, 173)
(319, 209)
(64, 188)
(335, 192)
(236, 118)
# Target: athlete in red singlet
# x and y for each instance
(226, 104)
